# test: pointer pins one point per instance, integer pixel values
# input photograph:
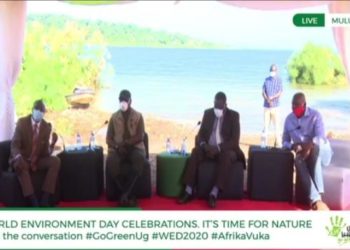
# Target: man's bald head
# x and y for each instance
(299, 100)
(220, 100)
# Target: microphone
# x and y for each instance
(245, 144)
(98, 130)
(198, 123)
(61, 137)
(64, 145)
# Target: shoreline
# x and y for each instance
(71, 121)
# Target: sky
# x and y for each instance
(237, 28)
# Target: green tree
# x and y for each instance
(56, 60)
(127, 35)
(315, 65)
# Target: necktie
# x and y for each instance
(217, 132)
(35, 145)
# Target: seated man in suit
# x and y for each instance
(31, 151)
(125, 142)
(218, 139)
(304, 134)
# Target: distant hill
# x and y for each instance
(127, 35)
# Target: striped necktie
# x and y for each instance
(35, 145)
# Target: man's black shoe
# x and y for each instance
(123, 203)
(34, 201)
(185, 198)
(132, 202)
(212, 201)
(44, 203)
(123, 200)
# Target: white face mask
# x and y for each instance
(218, 112)
(273, 73)
(124, 106)
(37, 115)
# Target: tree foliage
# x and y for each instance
(128, 35)
(315, 65)
(62, 53)
(56, 60)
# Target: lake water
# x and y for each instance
(179, 84)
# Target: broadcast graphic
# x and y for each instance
(132, 124)
(339, 230)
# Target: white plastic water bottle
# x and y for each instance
(92, 141)
(168, 145)
(263, 140)
(183, 147)
(78, 142)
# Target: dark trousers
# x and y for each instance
(51, 164)
(224, 159)
(115, 166)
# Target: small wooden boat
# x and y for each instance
(81, 97)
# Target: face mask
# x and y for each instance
(124, 106)
(37, 115)
(299, 111)
(272, 73)
(218, 112)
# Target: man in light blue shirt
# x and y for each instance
(304, 133)
(271, 91)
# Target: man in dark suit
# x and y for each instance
(31, 151)
(218, 138)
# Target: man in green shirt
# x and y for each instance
(125, 143)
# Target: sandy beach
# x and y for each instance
(71, 121)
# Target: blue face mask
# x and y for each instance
(37, 115)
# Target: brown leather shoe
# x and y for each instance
(319, 206)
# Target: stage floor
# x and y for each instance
(164, 203)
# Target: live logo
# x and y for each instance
(309, 20)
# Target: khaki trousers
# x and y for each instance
(272, 115)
